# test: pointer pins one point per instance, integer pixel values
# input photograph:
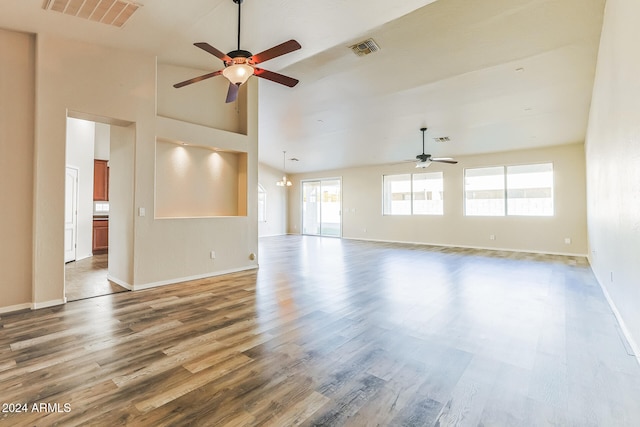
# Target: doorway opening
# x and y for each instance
(98, 205)
(322, 207)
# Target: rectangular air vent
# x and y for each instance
(365, 47)
(442, 139)
(111, 12)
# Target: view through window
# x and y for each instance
(509, 190)
(413, 194)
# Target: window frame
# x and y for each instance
(506, 198)
(411, 195)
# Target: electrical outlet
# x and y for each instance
(492, 237)
(567, 240)
(212, 254)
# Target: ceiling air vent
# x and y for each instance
(111, 12)
(442, 139)
(365, 47)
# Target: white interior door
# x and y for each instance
(70, 214)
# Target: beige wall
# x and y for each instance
(101, 81)
(179, 248)
(613, 164)
(196, 182)
(362, 206)
(102, 146)
(17, 83)
(276, 216)
(193, 103)
(122, 143)
(118, 87)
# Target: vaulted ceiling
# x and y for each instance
(491, 75)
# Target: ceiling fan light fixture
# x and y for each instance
(240, 64)
(423, 164)
(238, 74)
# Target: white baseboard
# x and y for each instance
(468, 247)
(623, 327)
(46, 304)
(119, 282)
(189, 278)
(17, 307)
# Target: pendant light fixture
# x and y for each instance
(284, 182)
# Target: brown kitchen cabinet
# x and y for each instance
(100, 180)
(100, 236)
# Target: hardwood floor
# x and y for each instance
(332, 332)
(87, 278)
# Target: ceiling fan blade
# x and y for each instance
(444, 160)
(213, 51)
(275, 77)
(232, 93)
(197, 79)
(281, 49)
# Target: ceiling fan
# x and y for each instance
(241, 64)
(424, 160)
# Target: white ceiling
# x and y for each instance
(450, 65)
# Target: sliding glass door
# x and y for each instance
(322, 207)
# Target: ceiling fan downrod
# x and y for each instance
(239, 3)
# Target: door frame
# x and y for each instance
(74, 220)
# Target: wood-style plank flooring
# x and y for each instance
(332, 332)
(87, 278)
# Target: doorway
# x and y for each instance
(322, 207)
(101, 151)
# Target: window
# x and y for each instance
(512, 190)
(262, 204)
(427, 194)
(530, 190)
(484, 191)
(396, 194)
(417, 194)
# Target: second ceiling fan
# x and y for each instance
(424, 160)
(241, 64)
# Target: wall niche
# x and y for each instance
(193, 181)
